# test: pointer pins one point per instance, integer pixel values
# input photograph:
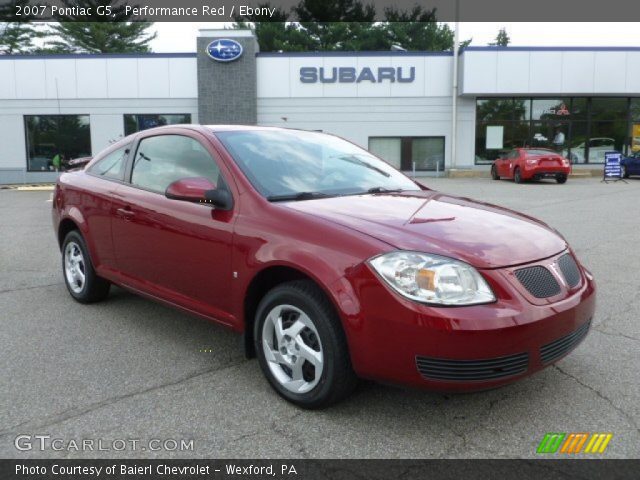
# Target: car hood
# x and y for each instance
(486, 236)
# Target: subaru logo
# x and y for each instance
(224, 50)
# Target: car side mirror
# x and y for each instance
(219, 198)
(190, 189)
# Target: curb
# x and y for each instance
(473, 173)
(29, 187)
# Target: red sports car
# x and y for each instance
(331, 263)
(531, 164)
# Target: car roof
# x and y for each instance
(220, 128)
(230, 128)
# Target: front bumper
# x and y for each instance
(478, 347)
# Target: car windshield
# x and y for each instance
(297, 165)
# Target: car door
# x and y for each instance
(516, 160)
(102, 179)
(507, 164)
(501, 163)
(176, 250)
(634, 164)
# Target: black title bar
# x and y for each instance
(316, 469)
(273, 10)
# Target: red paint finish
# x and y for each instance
(389, 331)
(483, 235)
(203, 260)
(532, 163)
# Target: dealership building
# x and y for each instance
(400, 105)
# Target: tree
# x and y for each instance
(502, 39)
(349, 25)
(335, 24)
(418, 29)
(314, 32)
(277, 34)
(16, 37)
(115, 34)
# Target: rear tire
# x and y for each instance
(82, 282)
(561, 178)
(517, 176)
(301, 347)
(494, 173)
(625, 174)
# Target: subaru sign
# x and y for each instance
(353, 75)
(224, 50)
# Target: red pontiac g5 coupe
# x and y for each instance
(332, 264)
(531, 164)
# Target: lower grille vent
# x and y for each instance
(556, 349)
(466, 370)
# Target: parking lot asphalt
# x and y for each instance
(129, 368)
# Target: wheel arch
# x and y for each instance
(66, 225)
(264, 281)
(74, 220)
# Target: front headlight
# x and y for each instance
(428, 278)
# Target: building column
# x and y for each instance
(227, 91)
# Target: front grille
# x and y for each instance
(569, 269)
(538, 281)
(556, 349)
(468, 370)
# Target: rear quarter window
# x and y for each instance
(112, 165)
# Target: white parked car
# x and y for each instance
(597, 148)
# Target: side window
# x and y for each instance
(163, 159)
(112, 166)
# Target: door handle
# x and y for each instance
(125, 213)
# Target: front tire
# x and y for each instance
(301, 347)
(625, 173)
(81, 279)
(494, 173)
(561, 178)
(517, 176)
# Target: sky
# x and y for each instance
(181, 36)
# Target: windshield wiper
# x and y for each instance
(383, 190)
(353, 158)
(297, 196)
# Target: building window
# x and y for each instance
(635, 125)
(580, 128)
(136, 122)
(389, 149)
(53, 140)
(502, 124)
(407, 153)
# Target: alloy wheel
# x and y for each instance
(74, 267)
(517, 177)
(292, 348)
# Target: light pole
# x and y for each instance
(454, 89)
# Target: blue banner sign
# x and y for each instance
(612, 165)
